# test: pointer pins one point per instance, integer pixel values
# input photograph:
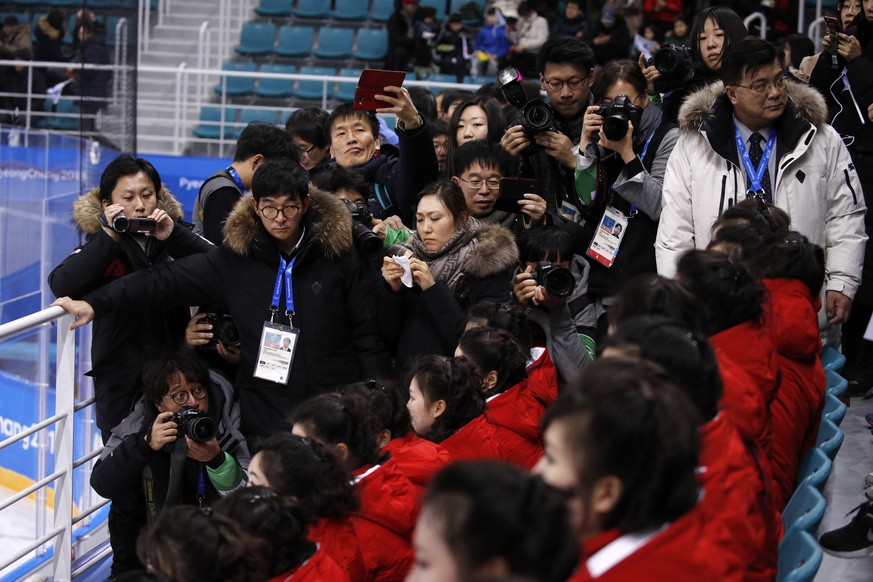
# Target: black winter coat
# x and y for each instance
(338, 343)
(125, 341)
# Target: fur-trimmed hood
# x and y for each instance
(87, 209)
(703, 106)
(495, 251)
(328, 219)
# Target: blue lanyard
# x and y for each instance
(289, 290)
(235, 175)
(201, 485)
(648, 141)
(755, 175)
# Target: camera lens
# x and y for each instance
(666, 61)
(538, 116)
(229, 334)
(367, 242)
(615, 127)
(560, 282)
(202, 429)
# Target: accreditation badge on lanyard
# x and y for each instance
(608, 236)
(755, 174)
(278, 342)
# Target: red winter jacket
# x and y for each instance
(750, 346)
(387, 497)
(477, 440)
(666, 555)
(738, 514)
(742, 403)
(417, 458)
(339, 540)
(671, 10)
(319, 568)
(796, 412)
(542, 380)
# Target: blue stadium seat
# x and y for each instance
(249, 115)
(372, 44)
(832, 359)
(313, 89)
(804, 510)
(390, 121)
(210, 123)
(837, 385)
(274, 8)
(311, 9)
(276, 88)
(799, 558)
(256, 38)
(834, 409)
(334, 43)
(830, 438)
(351, 10)
(382, 10)
(295, 41)
(345, 91)
(65, 107)
(815, 468)
(238, 86)
(440, 6)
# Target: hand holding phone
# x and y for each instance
(511, 191)
(373, 82)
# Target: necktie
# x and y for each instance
(755, 153)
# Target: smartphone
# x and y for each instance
(833, 23)
(373, 82)
(512, 190)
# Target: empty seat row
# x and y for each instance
(259, 38)
(348, 10)
(211, 125)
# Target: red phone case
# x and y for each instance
(373, 82)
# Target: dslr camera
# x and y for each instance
(121, 223)
(366, 241)
(195, 424)
(223, 329)
(558, 280)
(676, 65)
(616, 115)
(536, 115)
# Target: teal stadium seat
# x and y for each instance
(837, 385)
(832, 359)
(295, 41)
(834, 409)
(276, 88)
(313, 90)
(382, 10)
(237, 86)
(249, 115)
(334, 43)
(314, 9)
(830, 438)
(351, 10)
(66, 107)
(345, 91)
(277, 8)
(372, 44)
(256, 38)
(799, 558)
(804, 511)
(815, 468)
(210, 123)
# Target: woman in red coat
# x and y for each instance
(622, 445)
(279, 522)
(511, 408)
(417, 458)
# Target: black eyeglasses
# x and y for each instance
(476, 183)
(271, 212)
(761, 87)
(558, 84)
(198, 392)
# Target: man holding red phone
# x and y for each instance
(395, 175)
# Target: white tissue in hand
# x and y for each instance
(406, 278)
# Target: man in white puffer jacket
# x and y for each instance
(809, 174)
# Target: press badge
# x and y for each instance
(608, 236)
(276, 352)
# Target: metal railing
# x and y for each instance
(762, 21)
(61, 532)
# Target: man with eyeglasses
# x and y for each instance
(758, 135)
(566, 67)
(287, 267)
(257, 143)
(306, 127)
(150, 463)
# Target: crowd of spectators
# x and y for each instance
(565, 338)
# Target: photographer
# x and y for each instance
(566, 67)
(146, 467)
(623, 155)
(130, 188)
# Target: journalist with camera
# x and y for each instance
(180, 445)
(623, 155)
(544, 138)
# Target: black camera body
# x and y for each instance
(558, 280)
(366, 241)
(675, 62)
(121, 223)
(616, 115)
(195, 424)
(223, 329)
(536, 115)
